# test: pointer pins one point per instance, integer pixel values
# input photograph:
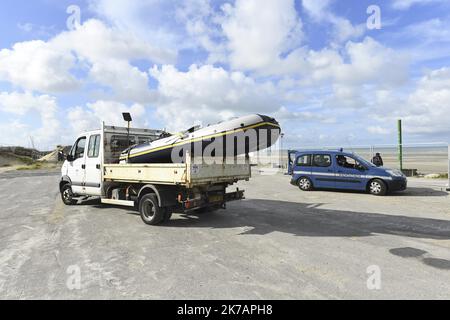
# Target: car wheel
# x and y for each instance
(305, 184)
(67, 195)
(151, 212)
(377, 187)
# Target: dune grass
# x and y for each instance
(37, 165)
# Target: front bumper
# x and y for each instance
(397, 184)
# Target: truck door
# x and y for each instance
(349, 173)
(76, 168)
(322, 171)
(93, 173)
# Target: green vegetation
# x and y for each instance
(437, 176)
(34, 166)
(25, 160)
(38, 165)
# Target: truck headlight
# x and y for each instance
(395, 173)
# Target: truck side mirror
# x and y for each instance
(69, 158)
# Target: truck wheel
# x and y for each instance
(67, 195)
(377, 187)
(151, 212)
(305, 184)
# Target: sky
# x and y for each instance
(331, 72)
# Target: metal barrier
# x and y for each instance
(448, 173)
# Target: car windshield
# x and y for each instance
(364, 161)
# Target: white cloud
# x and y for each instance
(357, 64)
(90, 118)
(94, 41)
(317, 9)
(343, 29)
(260, 32)
(20, 104)
(105, 52)
(203, 27)
(425, 111)
(207, 94)
(36, 65)
(378, 130)
(284, 114)
(152, 21)
(373, 62)
(128, 82)
(406, 4)
(20, 136)
(26, 27)
(432, 30)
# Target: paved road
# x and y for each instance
(278, 243)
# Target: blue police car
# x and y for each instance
(341, 170)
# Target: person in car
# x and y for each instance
(342, 161)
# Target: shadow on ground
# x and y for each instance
(423, 256)
(300, 219)
(421, 192)
(410, 192)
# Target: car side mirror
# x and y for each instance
(361, 168)
(69, 158)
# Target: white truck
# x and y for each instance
(92, 169)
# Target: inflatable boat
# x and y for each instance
(235, 137)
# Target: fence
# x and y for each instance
(420, 158)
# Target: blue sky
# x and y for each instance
(314, 65)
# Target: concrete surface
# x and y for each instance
(279, 243)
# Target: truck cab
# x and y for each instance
(84, 163)
(341, 170)
(82, 167)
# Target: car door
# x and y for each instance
(76, 167)
(93, 174)
(291, 161)
(322, 171)
(302, 166)
(349, 173)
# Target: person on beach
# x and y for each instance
(377, 160)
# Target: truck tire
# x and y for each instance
(67, 195)
(151, 212)
(305, 184)
(377, 187)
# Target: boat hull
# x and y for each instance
(223, 140)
